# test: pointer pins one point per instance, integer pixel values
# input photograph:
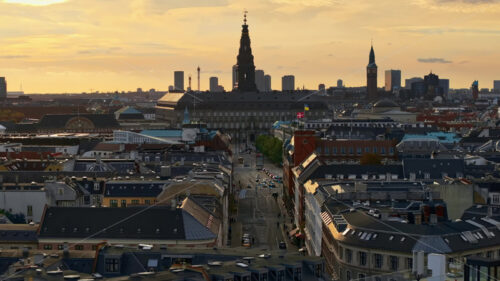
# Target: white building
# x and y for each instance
(313, 201)
(29, 200)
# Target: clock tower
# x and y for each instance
(371, 77)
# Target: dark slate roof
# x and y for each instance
(250, 101)
(133, 189)
(434, 167)
(159, 222)
(56, 121)
(444, 237)
(18, 235)
(358, 170)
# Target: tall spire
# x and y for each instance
(371, 63)
(246, 67)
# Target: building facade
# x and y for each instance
(288, 83)
(392, 80)
(179, 80)
(3, 88)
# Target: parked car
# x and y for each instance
(282, 245)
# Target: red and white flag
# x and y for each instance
(300, 115)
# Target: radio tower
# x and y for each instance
(190, 83)
(198, 78)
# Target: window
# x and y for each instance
(495, 199)
(391, 150)
(79, 247)
(60, 247)
(124, 203)
(114, 203)
(489, 254)
(374, 150)
(351, 150)
(147, 202)
(135, 202)
(348, 255)
(393, 262)
(359, 151)
(367, 149)
(29, 211)
(382, 150)
(112, 265)
(341, 252)
(409, 263)
(361, 277)
(378, 261)
(334, 150)
(362, 258)
(47, 247)
(342, 150)
(348, 275)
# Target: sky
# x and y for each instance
(57, 46)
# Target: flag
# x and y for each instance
(300, 115)
(306, 107)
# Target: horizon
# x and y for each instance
(73, 46)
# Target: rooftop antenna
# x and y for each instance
(245, 12)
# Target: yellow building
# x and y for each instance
(131, 193)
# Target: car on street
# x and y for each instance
(282, 245)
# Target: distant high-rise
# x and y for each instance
(496, 86)
(3, 88)
(246, 67)
(340, 83)
(445, 85)
(392, 80)
(475, 89)
(179, 80)
(214, 83)
(410, 81)
(234, 86)
(371, 76)
(259, 80)
(322, 88)
(267, 83)
(288, 83)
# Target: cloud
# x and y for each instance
(34, 2)
(14, 57)
(99, 51)
(433, 60)
(463, 6)
(159, 7)
(442, 30)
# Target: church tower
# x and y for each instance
(246, 67)
(371, 76)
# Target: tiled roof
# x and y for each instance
(158, 223)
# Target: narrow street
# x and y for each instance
(258, 212)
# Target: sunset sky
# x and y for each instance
(107, 45)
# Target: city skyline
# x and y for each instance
(70, 46)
